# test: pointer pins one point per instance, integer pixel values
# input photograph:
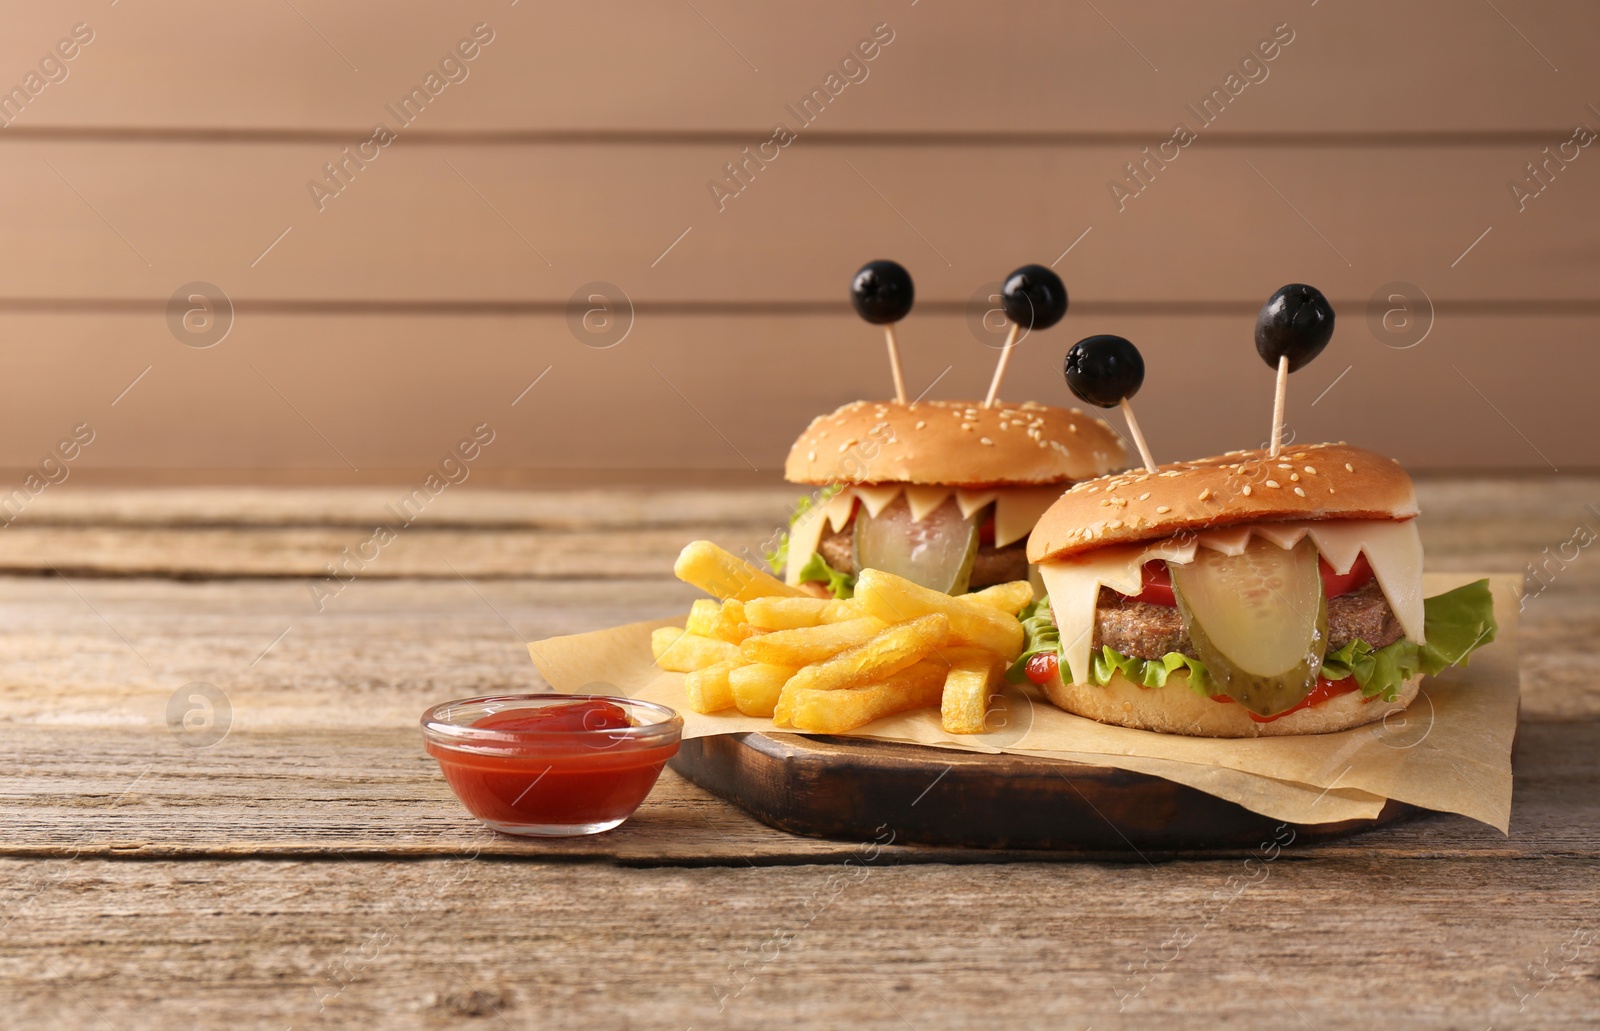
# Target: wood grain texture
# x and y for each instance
(476, 227)
(610, 508)
(580, 148)
(140, 792)
(625, 66)
(299, 874)
(847, 789)
(301, 553)
(90, 655)
(1347, 943)
(348, 394)
(1493, 524)
(403, 644)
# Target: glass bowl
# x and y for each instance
(552, 780)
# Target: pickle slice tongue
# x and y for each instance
(937, 551)
(1259, 621)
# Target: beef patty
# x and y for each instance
(1148, 631)
(991, 566)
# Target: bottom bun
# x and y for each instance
(1175, 709)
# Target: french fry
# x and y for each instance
(1010, 597)
(724, 621)
(755, 687)
(894, 599)
(703, 616)
(730, 624)
(888, 652)
(809, 644)
(841, 609)
(662, 638)
(964, 705)
(723, 574)
(966, 653)
(835, 712)
(784, 613)
(707, 689)
(680, 652)
(827, 665)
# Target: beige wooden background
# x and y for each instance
(368, 337)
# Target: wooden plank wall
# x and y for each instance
(373, 326)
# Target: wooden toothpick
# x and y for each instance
(894, 363)
(1000, 369)
(1138, 436)
(1281, 396)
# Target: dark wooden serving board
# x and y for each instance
(851, 789)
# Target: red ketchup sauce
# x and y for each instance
(1041, 667)
(562, 774)
(1324, 690)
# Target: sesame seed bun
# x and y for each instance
(1317, 481)
(953, 444)
(1175, 709)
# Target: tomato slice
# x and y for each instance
(1042, 667)
(1335, 585)
(1157, 589)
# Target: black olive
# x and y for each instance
(882, 292)
(1296, 322)
(1104, 370)
(1034, 297)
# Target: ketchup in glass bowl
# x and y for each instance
(551, 765)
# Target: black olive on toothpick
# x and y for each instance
(881, 293)
(1033, 297)
(1106, 371)
(1294, 326)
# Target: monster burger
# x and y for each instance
(943, 493)
(1243, 596)
(1257, 593)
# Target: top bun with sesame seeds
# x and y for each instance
(953, 444)
(1317, 481)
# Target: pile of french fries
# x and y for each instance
(828, 666)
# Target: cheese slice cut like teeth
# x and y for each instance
(1016, 512)
(1393, 547)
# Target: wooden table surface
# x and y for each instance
(311, 869)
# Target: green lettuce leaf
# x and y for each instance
(1149, 672)
(1456, 623)
(843, 585)
(1378, 671)
(778, 558)
(1040, 635)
